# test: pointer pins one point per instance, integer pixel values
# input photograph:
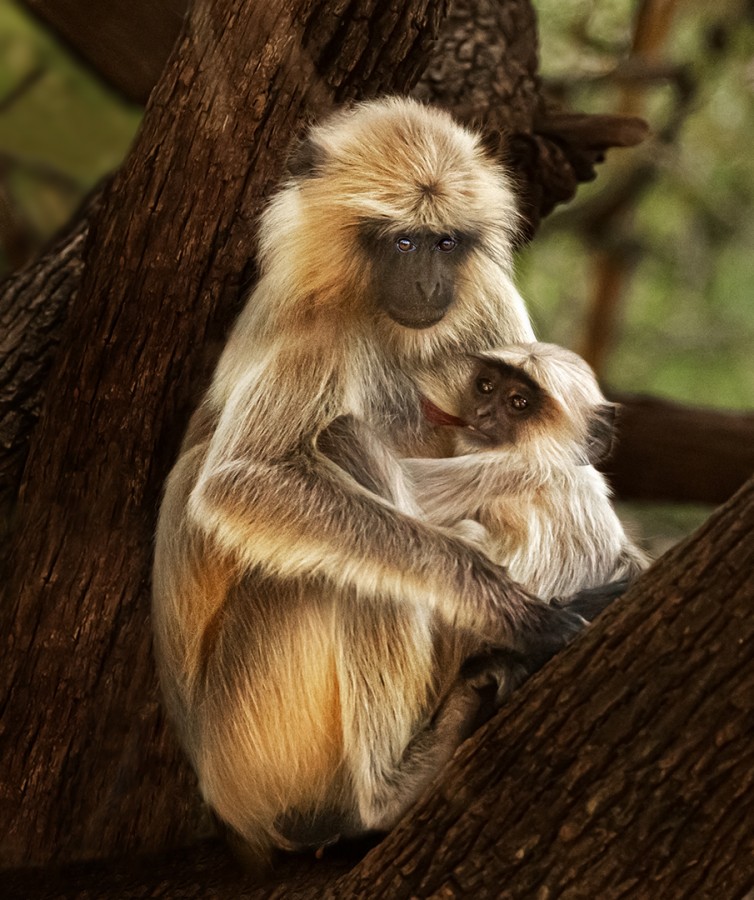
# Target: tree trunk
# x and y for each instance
(34, 305)
(89, 767)
(623, 769)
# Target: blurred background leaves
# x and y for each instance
(650, 272)
(61, 130)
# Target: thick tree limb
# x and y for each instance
(623, 769)
(34, 304)
(127, 42)
(684, 454)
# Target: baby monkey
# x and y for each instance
(528, 427)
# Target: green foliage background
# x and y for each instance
(687, 323)
(62, 134)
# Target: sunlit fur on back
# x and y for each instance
(546, 508)
(309, 627)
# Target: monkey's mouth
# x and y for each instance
(477, 435)
(481, 437)
(417, 322)
(437, 416)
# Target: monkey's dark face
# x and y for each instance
(415, 272)
(499, 400)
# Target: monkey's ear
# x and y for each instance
(601, 433)
(306, 158)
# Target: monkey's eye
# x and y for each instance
(517, 401)
(446, 244)
(484, 385)
(405, 245)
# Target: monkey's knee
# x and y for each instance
(395, 785)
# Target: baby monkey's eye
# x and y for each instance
(484, 385)
(518, 401)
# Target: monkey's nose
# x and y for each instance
(428, 291)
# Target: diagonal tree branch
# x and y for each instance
(126, 42)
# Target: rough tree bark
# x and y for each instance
(88, 768)
(34, 305)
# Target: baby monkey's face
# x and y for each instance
(500, 400)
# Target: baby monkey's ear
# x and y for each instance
(601, 434)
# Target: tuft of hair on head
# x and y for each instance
(396, 159)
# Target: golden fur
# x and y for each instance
(309, 628)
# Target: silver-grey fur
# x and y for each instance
(546, 511)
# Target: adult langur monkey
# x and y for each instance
(308, 627)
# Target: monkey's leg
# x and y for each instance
(393, 785)
(509, 669)
(403, 710)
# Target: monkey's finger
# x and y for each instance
(590, 602)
